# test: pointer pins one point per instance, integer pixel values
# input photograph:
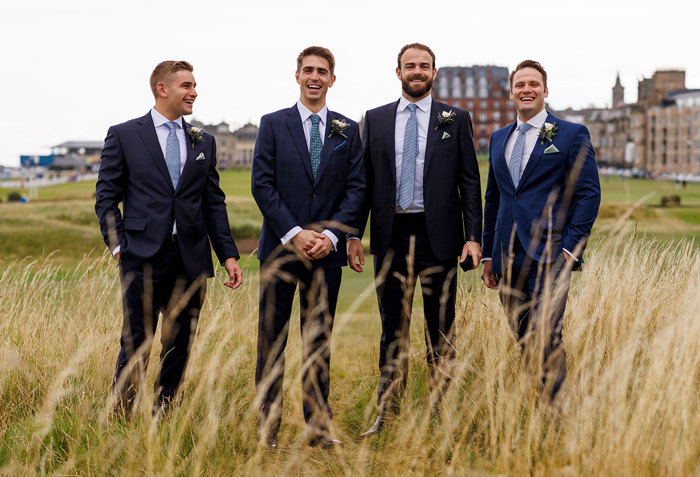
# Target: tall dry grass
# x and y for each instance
(630, 406)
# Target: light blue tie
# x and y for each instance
(516, 157)
(316, 144)
(408, 161)
(172, 153)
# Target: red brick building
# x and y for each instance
(481, 90)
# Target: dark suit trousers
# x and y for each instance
(534, 299)
(395, 279)
(318, 293)
(148, 290)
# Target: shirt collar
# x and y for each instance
(305, 112)
(537, 121)
(159, 119)
(424, 104)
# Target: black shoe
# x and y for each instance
(376, 428)
(323, 441)
(269, 442)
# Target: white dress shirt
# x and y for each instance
(423, 117)
(537, 121)
(162, 132)
(305, 114)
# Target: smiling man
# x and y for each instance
(541, 200)
(308, 182)
(163, 171)
(424, 196)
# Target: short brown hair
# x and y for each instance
(419, 46)
(324, 53)
(165, 69)
(529, 64)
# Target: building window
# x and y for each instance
(483, 116)
(482, 128)
(496, 115)
(483, 104)
(482, 144)
(470, 104)
(496, 104)
(511, 115)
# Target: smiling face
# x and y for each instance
(314, 78)
(176, 95)
(528, 93)
(417, 73)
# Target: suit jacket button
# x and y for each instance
(515, 197)
(314, 195)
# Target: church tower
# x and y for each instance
(618, 94)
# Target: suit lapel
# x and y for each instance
(189, 162)
(432, 139)
(535, 157)
(296, 131)
(329, 144)
(147, 131)
(500, 154)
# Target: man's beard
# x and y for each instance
(416, 93)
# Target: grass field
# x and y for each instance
(632, 335)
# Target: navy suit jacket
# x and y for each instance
(286, 192)
(133, 171)
(555, 203)
(451, 184)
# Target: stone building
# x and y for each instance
(483, 91)
(673, 134)
(233, 149)
(657, 134)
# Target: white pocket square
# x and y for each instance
(551, 149)
(445, 135)
(200, 157)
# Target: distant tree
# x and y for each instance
(14, 197)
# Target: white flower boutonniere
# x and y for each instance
(195, 135)
(338, 126)
(547, 132)
(444, 118)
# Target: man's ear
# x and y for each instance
(162, 89)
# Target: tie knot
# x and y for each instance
(172, 125)
(412, 107)
(315, 118)
(525, 127)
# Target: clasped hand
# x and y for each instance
(312, 245)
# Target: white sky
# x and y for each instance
(71, 68)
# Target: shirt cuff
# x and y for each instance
(116, 250)
(334, 239)
(354, 238)
(290, 235)
(485, 259)
(571, 255)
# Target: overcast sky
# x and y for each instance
(71, 68)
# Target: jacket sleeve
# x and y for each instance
(214, 208)
(109, 190)
(275, 212)
(585, 197)
(349, 209)
(469, 182)
(491, 203)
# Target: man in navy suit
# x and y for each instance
(541, 200)
(163, 171)
(308, 182)
(424, 195)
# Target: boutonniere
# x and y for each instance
(444, 118)
(195, 135)
(548, 131)
(338, 126)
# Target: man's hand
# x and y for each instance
(474, 250)
(305, 241)
(488, 277)
(235, 275)
(356, 251)
(322, 247)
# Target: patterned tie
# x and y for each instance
(516, 157)
(316, 144)
(408, 162)
(172, 153)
